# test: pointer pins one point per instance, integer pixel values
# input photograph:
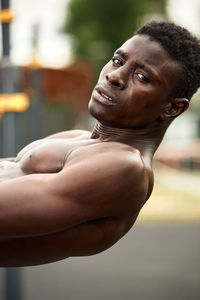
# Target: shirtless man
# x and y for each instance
(77, 193)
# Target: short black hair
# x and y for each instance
(184, 48)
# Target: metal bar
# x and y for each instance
(5, 4)
(13, 290)
(13, 283)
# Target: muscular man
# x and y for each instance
(77, 193)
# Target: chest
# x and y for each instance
(49, 156)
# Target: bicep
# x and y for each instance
(27, 207)
(33, 206)
(102, 186)
(40, 204)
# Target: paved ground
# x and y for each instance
(155, 261)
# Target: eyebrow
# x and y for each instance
(144, 67)
(122, 53)
(138, 63)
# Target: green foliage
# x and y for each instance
(99, 27)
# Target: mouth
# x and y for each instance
(103, 97)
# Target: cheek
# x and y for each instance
(137, 98)
(143, 101)
(147, 95)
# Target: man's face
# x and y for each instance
(134, 87)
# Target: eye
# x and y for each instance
(142, 77)
(117, 61)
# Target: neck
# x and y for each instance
(145, 140)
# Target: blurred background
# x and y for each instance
(51, 55)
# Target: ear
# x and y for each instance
(174, 108)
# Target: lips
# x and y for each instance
(103, 96)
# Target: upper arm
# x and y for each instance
(99, 186)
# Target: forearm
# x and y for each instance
(31, 251)
(82, 240)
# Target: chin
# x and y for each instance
(95, 109)
(100, 116)
(103, 115)
(91, 108)
(95, 112)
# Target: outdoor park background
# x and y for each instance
(57, 46)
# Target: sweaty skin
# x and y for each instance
(77, 193)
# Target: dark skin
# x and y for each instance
(77, 193)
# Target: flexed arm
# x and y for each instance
(86, 189)
(78, 211)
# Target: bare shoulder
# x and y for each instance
(69, 134)
(113, 153)
(109, 173)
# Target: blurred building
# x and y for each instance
(70, 85)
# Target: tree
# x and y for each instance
(99, 27)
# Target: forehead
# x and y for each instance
(144, 48)
(150, 53)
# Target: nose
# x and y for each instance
(115, 78)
